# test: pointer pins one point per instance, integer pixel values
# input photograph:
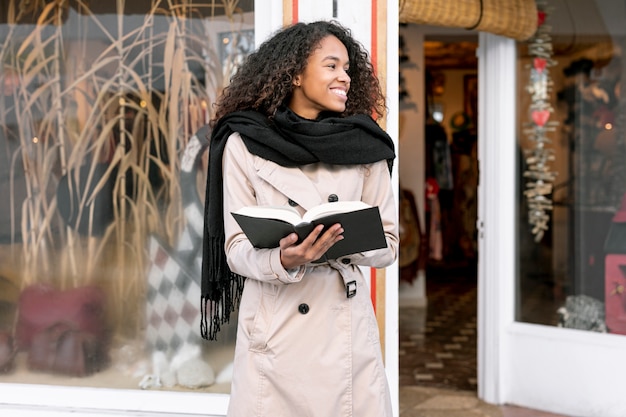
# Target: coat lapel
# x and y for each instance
(291, 182)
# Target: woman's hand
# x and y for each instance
(310, 249)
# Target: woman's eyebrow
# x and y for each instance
(333, 58)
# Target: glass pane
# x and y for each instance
(102, 189)
(574, 275)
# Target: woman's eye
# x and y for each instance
(333, 66)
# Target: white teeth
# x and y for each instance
(340, 92)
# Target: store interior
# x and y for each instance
(438, 340)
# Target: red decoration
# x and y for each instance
(540, 64)
(432, 188)
(540, 117)
(541, 17)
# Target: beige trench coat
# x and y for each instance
(303, 348)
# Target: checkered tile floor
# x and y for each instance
(438, 343)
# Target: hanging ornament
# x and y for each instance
(539, 177)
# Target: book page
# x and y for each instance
(285, 213)
(327, 209)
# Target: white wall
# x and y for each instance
(411, 144)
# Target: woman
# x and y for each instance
(294, 128)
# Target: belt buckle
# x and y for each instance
(351, 289)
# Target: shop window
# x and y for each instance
(101, 182)
(572, 273)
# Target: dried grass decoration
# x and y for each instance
(85, 199)
(540, 178)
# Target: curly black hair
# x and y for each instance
(264, 81)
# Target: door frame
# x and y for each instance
(496, 208)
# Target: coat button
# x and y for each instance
(303, 308)
(292, 203)
(345, 261)
(333, 198)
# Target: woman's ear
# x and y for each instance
(296, 81)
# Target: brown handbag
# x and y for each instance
(63, 349)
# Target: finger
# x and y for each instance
(332, 235)
(288, 241)
(327, 240)
(312, 238)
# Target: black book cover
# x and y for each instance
(363, 231)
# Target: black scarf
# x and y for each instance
(288, 141)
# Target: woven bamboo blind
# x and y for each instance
(515, 19)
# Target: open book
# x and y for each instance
(363, 229)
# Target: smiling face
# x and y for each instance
(324, 83)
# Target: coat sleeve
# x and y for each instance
(378, 191)
(243, 258)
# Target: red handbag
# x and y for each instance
(66, 350)
(42, 306)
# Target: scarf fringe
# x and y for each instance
(218, 299)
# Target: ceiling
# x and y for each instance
(441, 54)
(449, 48)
